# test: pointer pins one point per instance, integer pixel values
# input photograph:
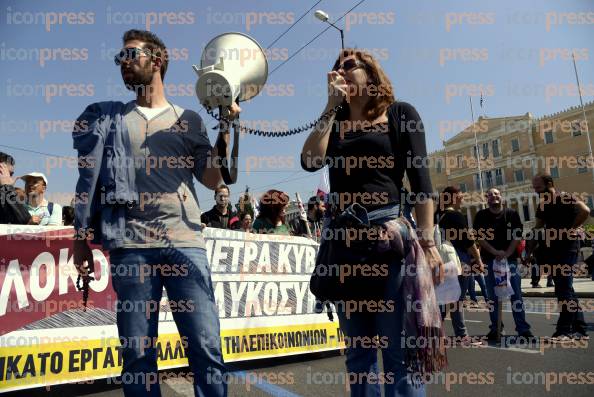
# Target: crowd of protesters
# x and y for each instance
(28, 206)
(497, 235)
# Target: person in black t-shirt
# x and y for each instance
(220, 215)
(454, 228)
(314, 222)
(561, 214)
(499, 231)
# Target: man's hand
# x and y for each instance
(83, 257)
(5, 178)
(500, 255)
(35, 220)
(234, 111)
(480, 267)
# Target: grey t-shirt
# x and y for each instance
(169, 150)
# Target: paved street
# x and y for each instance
(511, 371)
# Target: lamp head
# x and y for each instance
(321, 15)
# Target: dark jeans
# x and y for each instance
(517, 304)
(361, 359)
(456, 310)
(470, 286)
(467, 280)
(139, 283)
(571, 316)
(535, 274)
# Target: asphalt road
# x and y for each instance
(484, 371)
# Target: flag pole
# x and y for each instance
(478, 161)
(583, 109)
(447, 171)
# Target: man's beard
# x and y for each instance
(139, 81)
(319, 215)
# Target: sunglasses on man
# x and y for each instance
(349, 64)
(132, 54)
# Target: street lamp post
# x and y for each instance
(323, 16)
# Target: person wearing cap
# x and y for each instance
(42, 212)
(12, 209)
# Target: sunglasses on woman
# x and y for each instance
(131, 54)
(349, 64)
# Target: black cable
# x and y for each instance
(275, 134)
(36, 152)
(312, 40)
(293, 25)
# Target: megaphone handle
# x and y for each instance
(229, 176)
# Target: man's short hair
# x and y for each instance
(6, 158)
(221, 187)
(313, 201)
(153, 43)
(545, 178)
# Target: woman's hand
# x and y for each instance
(337, 89)
(435, 263)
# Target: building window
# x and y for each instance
(526, 209)
(486, 150)
(477, 182)
(555, 172)
(495, 145)
(576, 128)
(489, 179)
(459, 161)
(515, 145)
(439, 166)
(519, 175)
(463, 188)
(499, 176)
(548, 137)
(474, 154)
(582, 161)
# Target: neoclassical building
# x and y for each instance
(511, 151)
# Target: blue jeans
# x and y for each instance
(516, 298)
(467, 280)
(480, 279)
(361, 359)
(139, 276)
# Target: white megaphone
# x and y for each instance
(233, 67)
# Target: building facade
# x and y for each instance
(511, 150)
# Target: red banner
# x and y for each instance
(38, 277)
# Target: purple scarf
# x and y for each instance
(423, 327)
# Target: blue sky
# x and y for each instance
(436, 53)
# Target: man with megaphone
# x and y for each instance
(135, 196)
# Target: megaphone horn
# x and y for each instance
(233, 67)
